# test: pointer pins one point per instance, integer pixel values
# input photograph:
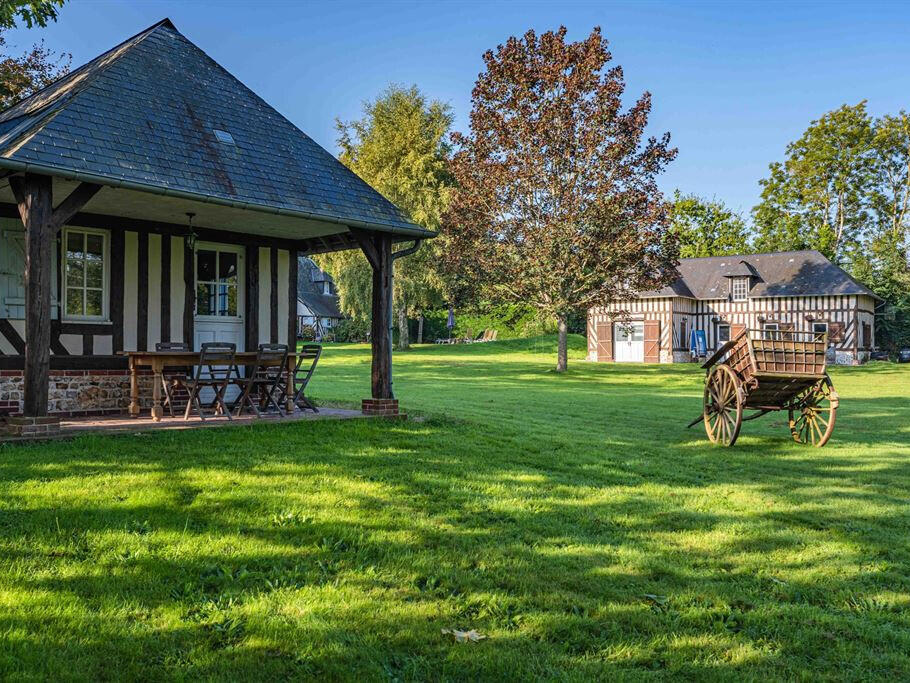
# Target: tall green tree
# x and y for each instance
(31, 12)
(400, 147)
(706, 227)
(557, 203)
(844, 189)
(816, 198)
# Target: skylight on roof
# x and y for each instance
(223, 136)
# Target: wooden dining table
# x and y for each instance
(157, 361)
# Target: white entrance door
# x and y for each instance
(219, 297)
(629, 342)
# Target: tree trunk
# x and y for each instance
(403, 342)
(562, 353)
(420, 329)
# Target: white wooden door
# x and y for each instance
(629, 342)
(219, 297)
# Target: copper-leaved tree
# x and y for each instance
(556, 201)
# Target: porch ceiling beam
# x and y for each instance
(72, 204)
(310, 245)
(68, 208)
(368, 246)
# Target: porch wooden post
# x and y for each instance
(35, 199)
(381, 377)
(36, 208)
(377, 247)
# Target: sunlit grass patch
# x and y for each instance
(572, 520)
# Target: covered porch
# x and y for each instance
(171, 218)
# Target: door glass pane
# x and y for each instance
(227, 267)
(638, 332)
(205, 299)
(205, 265)
(74, 245)
(74, 302)
(93, 302)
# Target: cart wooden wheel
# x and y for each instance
(812, 413)
(723, 405)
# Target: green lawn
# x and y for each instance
(571, 519)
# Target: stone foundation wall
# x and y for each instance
(78, 392)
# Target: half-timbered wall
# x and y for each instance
(638, 310)
(850, 318)
(145, 295)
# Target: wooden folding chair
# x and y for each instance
(215, 370)
(300, 377)
(172, 378)
(264, 379)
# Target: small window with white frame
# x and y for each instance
(771, 331)
(85, 276)
(819, 329)
(739, 288)
(723, 334)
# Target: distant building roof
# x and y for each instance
(784, 273)
(309, 291)
(157, 114)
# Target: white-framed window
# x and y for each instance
(771, 330)
(739, 288)
(85, 274)
(819, 329)
(723, 333)
(218, 281)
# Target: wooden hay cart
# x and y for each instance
(769, 371)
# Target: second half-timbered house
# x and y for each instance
(721, 295)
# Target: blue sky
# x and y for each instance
(731, 82)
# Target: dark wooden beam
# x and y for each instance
(72, 204)
(311, 245)
(66, 362)
(292, 300)
(118, 273)
(34, 194)
(378, 246)
(189, 294)
(367, 245)
(252, 297)
(12, 336)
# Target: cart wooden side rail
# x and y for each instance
(765, 371)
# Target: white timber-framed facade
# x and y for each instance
(720, 296)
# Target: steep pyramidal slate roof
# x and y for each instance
(785, 273)
(145, 114)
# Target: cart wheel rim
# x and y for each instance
(723, 406)
(812, 414)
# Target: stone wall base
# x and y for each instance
(385, 407)
(32, 426)
(74, 393)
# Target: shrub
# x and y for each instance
(511, 321)
(352, 330)
(307, 333)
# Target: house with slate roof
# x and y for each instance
(317, 301)
(721, 295)
(150, 196)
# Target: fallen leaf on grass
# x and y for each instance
(471, 636)
(656, 599)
